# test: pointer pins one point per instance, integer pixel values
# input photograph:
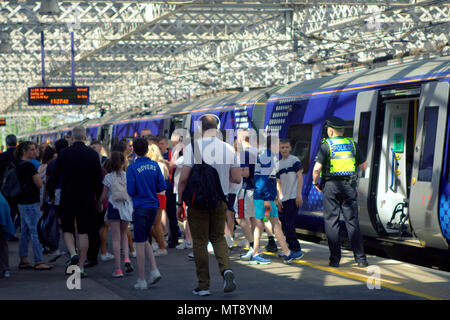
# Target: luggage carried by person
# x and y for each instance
(11, 187)
(48, 228)
(203, 190)
(119, 191)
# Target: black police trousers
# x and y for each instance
(339, 196)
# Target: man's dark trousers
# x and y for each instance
(171, 209)
(94, 237)
(287, 217)
(339, 196)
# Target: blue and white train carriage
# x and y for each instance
(399, 115)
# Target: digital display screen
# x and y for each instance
(2, 122)
(38, 96)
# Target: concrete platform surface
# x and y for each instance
(309, 278)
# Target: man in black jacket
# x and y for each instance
(79, 171)
(6, 159)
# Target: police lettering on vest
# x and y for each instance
(342, 156)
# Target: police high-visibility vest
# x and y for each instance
(342, 156)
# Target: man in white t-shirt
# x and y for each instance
(209, 225)
(289, 187)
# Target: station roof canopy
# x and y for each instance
(139, 55)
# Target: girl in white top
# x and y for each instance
(157, 230)
(120, 209)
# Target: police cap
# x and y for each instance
(335, 122)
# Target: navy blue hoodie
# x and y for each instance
(144, 181)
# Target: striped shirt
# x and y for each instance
(287, 173)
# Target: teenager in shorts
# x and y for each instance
(144, 181)
(265, 196)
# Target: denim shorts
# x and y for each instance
(260, 211)
(112, 213)
(143, 219)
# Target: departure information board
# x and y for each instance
(40, 96)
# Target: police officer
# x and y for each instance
(338, 159)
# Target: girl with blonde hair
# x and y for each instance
(157, 231)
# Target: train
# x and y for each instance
(397, 113)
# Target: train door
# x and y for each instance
(385, 129)
(398, 131)
(364, 134)
(428, 163)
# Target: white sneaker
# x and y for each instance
(229, 240)
(160, 252)
(248, 255)
(141, 285)
(184, 245)
(191, 255)
(228, 281)
(155, 276)
(106, 257)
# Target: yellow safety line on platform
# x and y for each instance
(362, 278)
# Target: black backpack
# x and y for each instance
(203, 189)
(11, 187)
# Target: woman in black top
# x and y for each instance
(29, 207)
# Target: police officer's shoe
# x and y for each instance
(334, 264)
(363, 263)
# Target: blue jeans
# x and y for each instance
(29, 216)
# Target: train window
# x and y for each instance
(300, 137)
(428, 143)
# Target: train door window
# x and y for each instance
(300, 137)
(428, 143)
(363, 135)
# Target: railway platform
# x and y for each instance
(308, 279)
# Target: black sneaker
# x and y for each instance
(272, 246)
(363, 263)
(228, 281)
(128, 267)
(73, 260)
(334, 264)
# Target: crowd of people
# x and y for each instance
(148, 187)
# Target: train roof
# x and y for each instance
(224, 99)
(398, 71)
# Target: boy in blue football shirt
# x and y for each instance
(144, 181)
